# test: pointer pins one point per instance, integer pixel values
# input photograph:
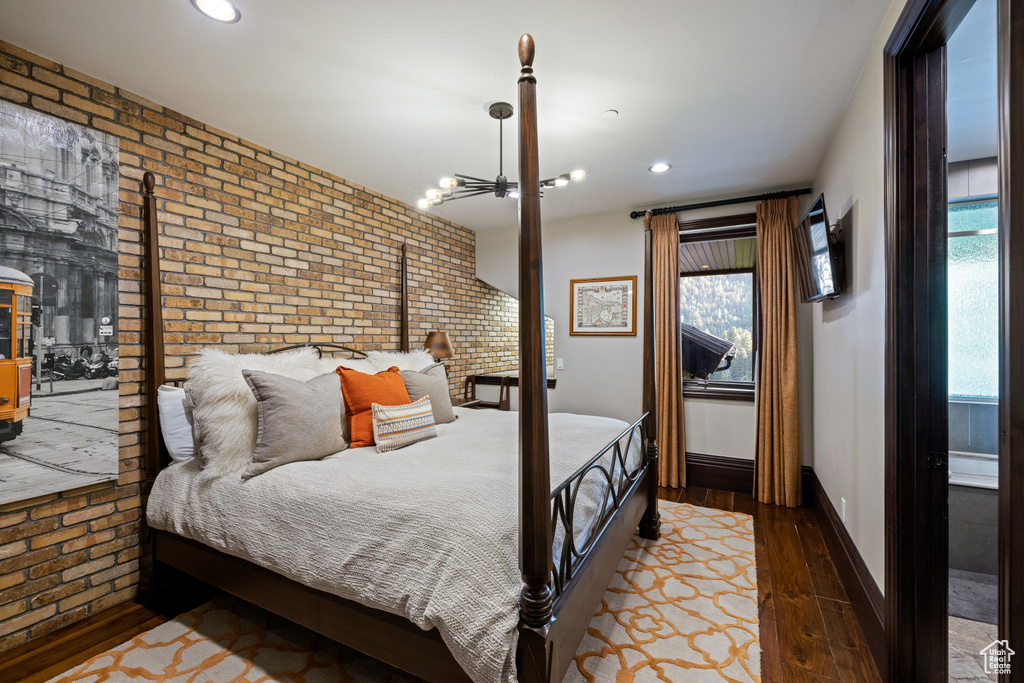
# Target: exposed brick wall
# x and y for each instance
(502, 333)
(258, 250)
(66, 556)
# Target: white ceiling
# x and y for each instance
(972, 95)
(739, 95)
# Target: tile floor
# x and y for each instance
(966, 640)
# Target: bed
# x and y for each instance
(354, 533)
(380, 554)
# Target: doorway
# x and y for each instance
(918, 344)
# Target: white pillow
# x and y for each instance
(408, 360)
(379, 361)
(224, 408)
(331, 363)
(175, 422)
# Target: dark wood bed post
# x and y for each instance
(154, 340)
(404, 302)
(536, 601)
(151, 584)
(650, 524)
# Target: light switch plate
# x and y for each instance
(559, 364)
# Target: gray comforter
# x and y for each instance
(429, 532)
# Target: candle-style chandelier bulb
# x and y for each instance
(577, 175)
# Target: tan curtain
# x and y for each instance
(668, 373)
(777, 453)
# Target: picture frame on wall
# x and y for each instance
(603, 307)
(59, 246)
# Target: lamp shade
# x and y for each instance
(438, 345)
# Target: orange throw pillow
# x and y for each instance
(360, 391)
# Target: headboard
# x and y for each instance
(332, 349)
(155, 366)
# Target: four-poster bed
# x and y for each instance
(562, 588)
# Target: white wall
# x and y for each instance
(849, 332)
(497, 261)
(602, 375)
(720, 427)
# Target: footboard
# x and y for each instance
(583, 567)
(615, 482)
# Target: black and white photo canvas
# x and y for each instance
(58, 304)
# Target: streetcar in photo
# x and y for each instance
(15, 351)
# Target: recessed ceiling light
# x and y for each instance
(659, 168)
(610, 113)
(219, 10)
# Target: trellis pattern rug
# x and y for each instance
(681, 609)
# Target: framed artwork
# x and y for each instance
(603, 307)
(58, 304)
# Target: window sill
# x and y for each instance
(719, 391)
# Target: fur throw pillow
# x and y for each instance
(379, 361)
(224, 408)
(331, 363)
(414, 360)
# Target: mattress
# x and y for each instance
(429, 532)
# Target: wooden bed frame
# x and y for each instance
(560, 594)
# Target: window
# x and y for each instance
(723, 305)
(6, 320)
(23, 322)
(973, 286)
(87, 309)
(718, 296)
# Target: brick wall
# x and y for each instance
(502, 312)
(258, 250)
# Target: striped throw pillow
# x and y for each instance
(398, 426)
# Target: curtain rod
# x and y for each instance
(723, 202)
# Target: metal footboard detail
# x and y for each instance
(615, 480)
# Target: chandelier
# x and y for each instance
(460, 186)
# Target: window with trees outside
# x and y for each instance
(717, 296)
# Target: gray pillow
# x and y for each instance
(431, 381)
(297, 420)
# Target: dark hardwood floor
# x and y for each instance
(808, 630)
(41, 659)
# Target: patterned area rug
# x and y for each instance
(681, 609)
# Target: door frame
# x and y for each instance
(1011, 400)
(916, 421)
(916, 373)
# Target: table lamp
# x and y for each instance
(438, 345)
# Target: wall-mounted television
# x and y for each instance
(819, 255)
